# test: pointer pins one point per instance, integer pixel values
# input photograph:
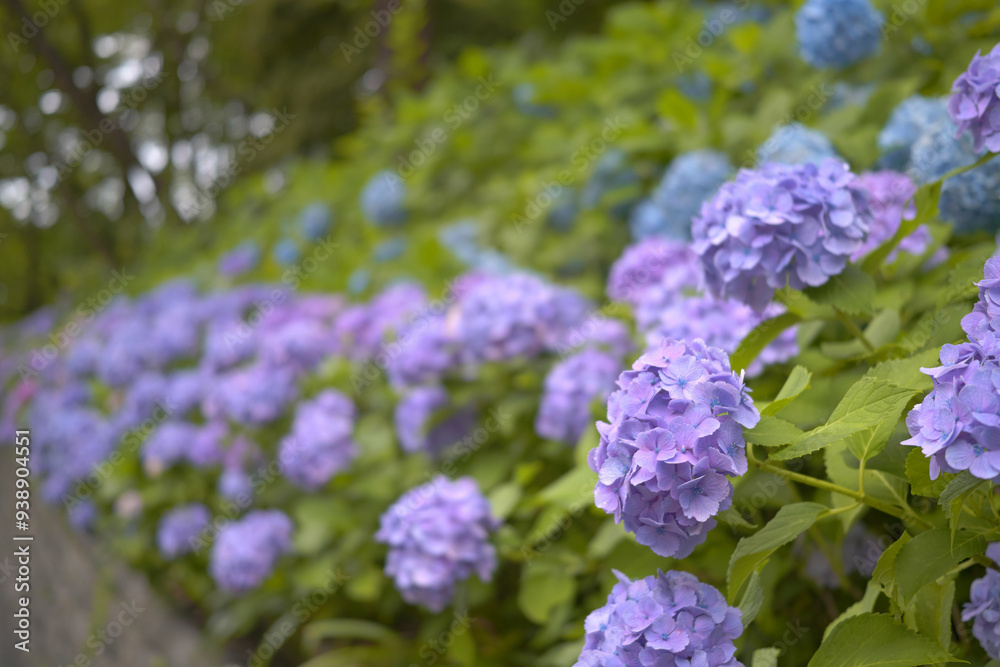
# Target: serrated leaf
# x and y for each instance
(864, 406)
(765, 657)
(759, 338)
(752, 552)
(863, 606)
(852, 291)
(870, 640)
(544, 586)
(732, 517)
(931, 555)
(958, 491)
(918, 472)
(884, 574)
(773, 432)
(882, 330)
(906, 372)
(929, 613)
(797, 382)
(753, 597)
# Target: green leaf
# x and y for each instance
(752, 598)
(870, 640)
(918, 472)
(906, 372)
(852, 291)
(544, 586)
(931, 555)
(345, 628)
(882, 330)
(752, 552)
(884, 574)
(765, 657)
(732, 517)
(761, 336)
(797, 382)
(930, 611)
(926, 201)
(773, 432)
(864, 406)
(863, 606)
(504, 498)
(958, 491)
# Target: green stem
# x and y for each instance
(853, 328)
(874, 503)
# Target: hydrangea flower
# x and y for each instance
(613, 182)
(240, 259)
(672, 436)
(179, 528)
(286, 252)
(722, 324)
(315, 221)
(246, 551)
(983, 607)
(362, 329)
(910, 120)
(570, 388)
(795, 143)
(669, 619)
(834, 34)
(176, 442)
(974, 104)
(794, 224)
(382, 199)
(320, 444)
(438, 535)
(257, 394)
(653, 273)
(890, 201)
(413, 417)
(970, 199)
(957, 426)
(689, 180)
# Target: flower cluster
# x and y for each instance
(975, 101)
(910, 120)
(834, 34)
(778, 225)
(795, 143)
(240, 259)
(957, 426)
(438, 535)
(315, 221)
(246, 551)
(179, 528)
(983, 607)
(890, 201)
(570, 388)
(689, 180)
(673, 434)
(651, 274)
(320, 444)
(383, 198)
(667, 619)
(418, 427)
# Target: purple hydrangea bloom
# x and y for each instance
(364, 328)
(672, 436)
(662, 265)
(246, 551)
(890, 201)
(83, 514)
(179, 528)
(957, 425)
(423, 352)
(416, 427)
(506, 317)
(983, 607)
(320, 444)
(570, 388)
(722, 324)
(254, 395)
(240, 259)
(438, 534)
(669, 619)
(780, 224)
(176, 442)
(975, 101)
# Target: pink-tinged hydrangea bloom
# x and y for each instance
(957, 425)
(179, 529)
(670, 619)
(983, 607)
(570, 388)
(438, 534)
(722, 324)
(778, 225)
(890, 201)
(320, 444)
(975, 101)
(246, 551)
(673, 433)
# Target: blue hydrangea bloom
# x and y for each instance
(795, 143)
(389, 250)
(690, 179)
(286, 251)
(246, 551)
(565, 210)
(957, 426)
(612, 183)
(438, 535)
(320, 444)
(240, 259)
(179, 529)
(983, 607)
(358, 281)
(848, 95)
(910, 120)
(315, 221)
(669, 619)
(834, 34)
(975, 101)
(673, 434)
(383, 198)
(571, 387)
(778, 225)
